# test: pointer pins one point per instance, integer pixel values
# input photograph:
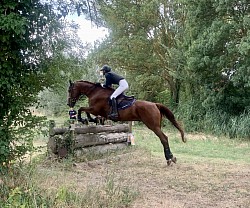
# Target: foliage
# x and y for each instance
(33, 37)
(197, 53)
(233, 126)
(215, 57)
(20, 188)
(144, 40)
(28, 36)
(217, 62)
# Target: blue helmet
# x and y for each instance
(105, 68)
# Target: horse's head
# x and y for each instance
(88, 89)
(73, 94)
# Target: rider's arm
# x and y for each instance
(108, 82)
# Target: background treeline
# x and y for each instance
(193, 56)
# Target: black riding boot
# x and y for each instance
(114, 114)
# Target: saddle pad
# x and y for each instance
(124, 103)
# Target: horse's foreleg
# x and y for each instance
(83, 109)
(90, 119)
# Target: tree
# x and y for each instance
(218, 57)
(28, 36)
(31, 37)
(217, 67)
(200, 49)
(145, 38)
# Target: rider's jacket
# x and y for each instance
(112, 78)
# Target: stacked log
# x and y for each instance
(83, 139)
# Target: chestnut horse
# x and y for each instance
(148, 112)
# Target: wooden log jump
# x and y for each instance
(87, 138)
(92, 129)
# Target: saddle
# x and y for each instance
(124, 101)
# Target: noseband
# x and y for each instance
(71, 90)
(71, 100)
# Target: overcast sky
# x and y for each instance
(88, 32)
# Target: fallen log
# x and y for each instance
(100, 149)
(64, 141)
(85, 140)
(92, 129)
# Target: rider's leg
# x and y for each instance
(123, 85)
(114, 113)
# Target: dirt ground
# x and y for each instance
(187, 184)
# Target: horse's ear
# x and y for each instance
(70, 83)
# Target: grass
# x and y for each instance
(198, 146)
(23, 189)
(220, 149)
(44, 183)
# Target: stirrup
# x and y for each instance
(113, 116)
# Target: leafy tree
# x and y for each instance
(200, 49)
(28, 36)
(217, 35)
(31, 37)
(218, 59)
(145, 38)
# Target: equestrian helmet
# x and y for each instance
(106, 68)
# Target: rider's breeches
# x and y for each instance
(123, 85)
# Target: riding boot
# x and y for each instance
(114, 114)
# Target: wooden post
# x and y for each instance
(71, 136)
(130, 126)
(52, 125)
(131, 139)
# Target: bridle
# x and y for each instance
(71, 101)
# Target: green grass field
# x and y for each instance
(138, 176)
(198, 146)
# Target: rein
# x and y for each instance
(88, 89)
(92, 88)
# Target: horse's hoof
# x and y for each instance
(174, 159)
(171, 160)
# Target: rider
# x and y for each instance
(113, 78)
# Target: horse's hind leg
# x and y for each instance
(154, 124)
(164, 140)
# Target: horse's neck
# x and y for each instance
(90, 90)
(86, 88)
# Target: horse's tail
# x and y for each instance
(170, 116)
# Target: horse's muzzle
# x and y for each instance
(71, 102)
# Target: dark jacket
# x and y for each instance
(112, 78)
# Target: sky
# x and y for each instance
(88, 32)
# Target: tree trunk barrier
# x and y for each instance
(80, 140)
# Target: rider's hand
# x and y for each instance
(98, 84)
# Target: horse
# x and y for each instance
(149, 113)
(98, 120)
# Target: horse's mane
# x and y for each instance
(98, 85)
